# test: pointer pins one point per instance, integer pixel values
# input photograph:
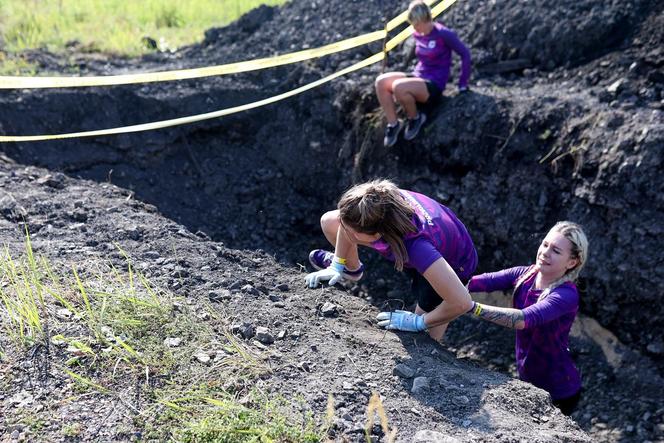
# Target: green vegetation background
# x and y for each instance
(120, 27)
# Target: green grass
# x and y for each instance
(110, 26)
(104, 328)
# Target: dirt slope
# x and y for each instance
(339, 352)
(564, 121)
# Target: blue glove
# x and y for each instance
(401, 321)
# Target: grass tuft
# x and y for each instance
(109, 331)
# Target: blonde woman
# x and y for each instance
(545, 302)
(414, 231)
(434, 44)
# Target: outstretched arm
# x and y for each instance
(456, 300)
(508, 317)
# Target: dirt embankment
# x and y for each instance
(564, 121)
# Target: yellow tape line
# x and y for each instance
(10, 82)
(17, 82)
(222, 112)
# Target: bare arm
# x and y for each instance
(508, 317)
(456, 300)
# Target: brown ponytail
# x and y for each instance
(377, 207)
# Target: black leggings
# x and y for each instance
(567, 405)
(435, 93)
(427, 297)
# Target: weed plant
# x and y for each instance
(109, 333)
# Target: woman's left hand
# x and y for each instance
(401, 321)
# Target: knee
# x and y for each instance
(399, 91)
(329, 221)
(382, 83)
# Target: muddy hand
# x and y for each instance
(401, 321)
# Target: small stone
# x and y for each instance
(283, 287)
(217, 296)
(328, 309)
(466, 423)
(403, 371)
(249, 289)
(617, 86)
(420, 385)
(202, 357)
(263, 335)
(63, 313)
(656, 348)
(237, 284)
(246, 330)
(305, 366)
(172, 342)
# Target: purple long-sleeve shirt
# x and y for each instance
(439, 234)
(434, 54)
(542, 353)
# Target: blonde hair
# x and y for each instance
(418, 12)
(377, 207)
(574, 233)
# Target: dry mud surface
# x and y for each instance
(564, 121)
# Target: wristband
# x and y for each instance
(338, 264)
(472, 308)
(478, 309)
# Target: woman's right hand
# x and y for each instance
(331, 275)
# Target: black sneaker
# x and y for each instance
(414, 125)
(392, 134)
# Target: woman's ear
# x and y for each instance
(572, 263)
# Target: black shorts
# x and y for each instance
(427, 297)
(435, 93)
(568, 405)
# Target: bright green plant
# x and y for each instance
(53, 24)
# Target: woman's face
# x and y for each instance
(423, 27)
(554, 256)
(359, 237)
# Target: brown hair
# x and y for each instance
(377, 207)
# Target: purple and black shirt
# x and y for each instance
(439, 234)
(542, 353)
(434, 54)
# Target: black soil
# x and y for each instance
(564, 121)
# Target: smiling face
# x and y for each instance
(554, 256)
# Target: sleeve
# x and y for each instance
(560, 301)
(453, 41)
(496, 281)
(421, 254)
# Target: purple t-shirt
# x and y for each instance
(434, 54)
(542, 353)
(439, 234)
